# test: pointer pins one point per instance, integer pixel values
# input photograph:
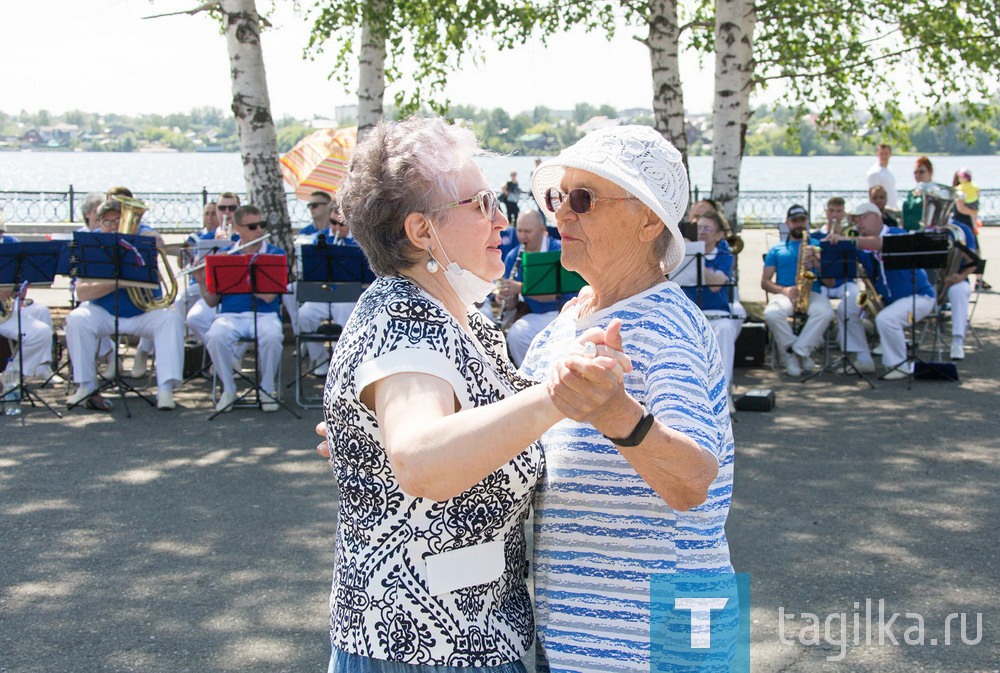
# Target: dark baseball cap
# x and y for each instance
(796, 211)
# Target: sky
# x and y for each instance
(101, 56)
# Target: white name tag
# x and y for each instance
(465, 567)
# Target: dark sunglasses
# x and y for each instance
(581, 200)
(337, 223)
(487, 204)
(317, 205)
(253, 225)
(227, 207)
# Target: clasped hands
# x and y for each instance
(588, 384)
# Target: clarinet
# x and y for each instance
(509, 314)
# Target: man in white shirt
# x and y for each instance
(879, 174)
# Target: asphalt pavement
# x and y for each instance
(170, 543)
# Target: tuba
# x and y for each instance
(132, 210)
(7, 308)
(937, 201)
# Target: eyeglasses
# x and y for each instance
(337, 223)
(317, 205)
(252, 226)
(708, 228)
(227, 207)
(487, 204)
(581, 200)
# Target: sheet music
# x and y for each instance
(686, 275)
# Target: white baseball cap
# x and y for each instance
(865, 208)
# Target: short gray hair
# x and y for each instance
(93, 200)
(397, 169)
(108, 205)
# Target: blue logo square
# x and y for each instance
(697, 624)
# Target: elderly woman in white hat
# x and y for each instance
(645, 487)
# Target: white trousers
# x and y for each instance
(522, 332)
(88, 323)
(780, 309)
(222, 339)
(200, 318)
(187, 295)
(849, 313)
(892, 322)
(35, 338)
(727, 330)
(311, 313)
(958, 297)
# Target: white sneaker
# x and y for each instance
(877, 350)
(792, 365)
(865, 366)
(895, 375)
(165, 399)
(808, 364)
(957, 350)
(110, 370)
(139, 364)
(225, 402)
(268, 403)
(81, 394)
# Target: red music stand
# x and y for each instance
(253, 275)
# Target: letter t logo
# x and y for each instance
(701, 621)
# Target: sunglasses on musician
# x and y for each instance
(228, 207)
(337, 223)
(581, 200)
(487, 204)
(252, 226)
(317, 204)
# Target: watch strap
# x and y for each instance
(639, 432)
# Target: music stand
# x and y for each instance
(20, 265)
(122, 258)
(196, 255)
(919, 250)
(249, 274)
(543, 273)
(839, 261)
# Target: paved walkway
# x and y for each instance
(167, 543)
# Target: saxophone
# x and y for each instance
(869, 299)
(804, 277)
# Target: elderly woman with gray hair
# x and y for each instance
(431, 430)
(643, 487)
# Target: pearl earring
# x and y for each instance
(432, 265)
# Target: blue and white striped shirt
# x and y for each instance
(600, 529)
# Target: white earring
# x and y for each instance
(432, 265)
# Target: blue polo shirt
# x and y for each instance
(894, 284)
(970, 236)
(535, 305)
(784, 257)
(308, 230)
(714, 299)
(331, 238)
(239, 303)
(126, 309)
(9, 239)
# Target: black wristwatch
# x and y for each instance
(639, 433)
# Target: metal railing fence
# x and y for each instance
(182, 210)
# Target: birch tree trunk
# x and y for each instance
(371, 76)
(252, 107)
(734, 25)
(668, 96)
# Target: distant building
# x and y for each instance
(32, 137)
(599, 122)
(61, 133)
(345, 113)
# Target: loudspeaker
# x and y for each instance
(756, 399)
(935, 371)
(751, 345)
(193, 355)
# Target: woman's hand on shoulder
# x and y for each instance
(323, 448)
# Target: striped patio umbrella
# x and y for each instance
(319, 161)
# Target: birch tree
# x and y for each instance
(663, 42)
(252, 108)
(371, 69)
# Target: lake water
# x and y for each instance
(190, 172)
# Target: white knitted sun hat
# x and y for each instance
(636, 158)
